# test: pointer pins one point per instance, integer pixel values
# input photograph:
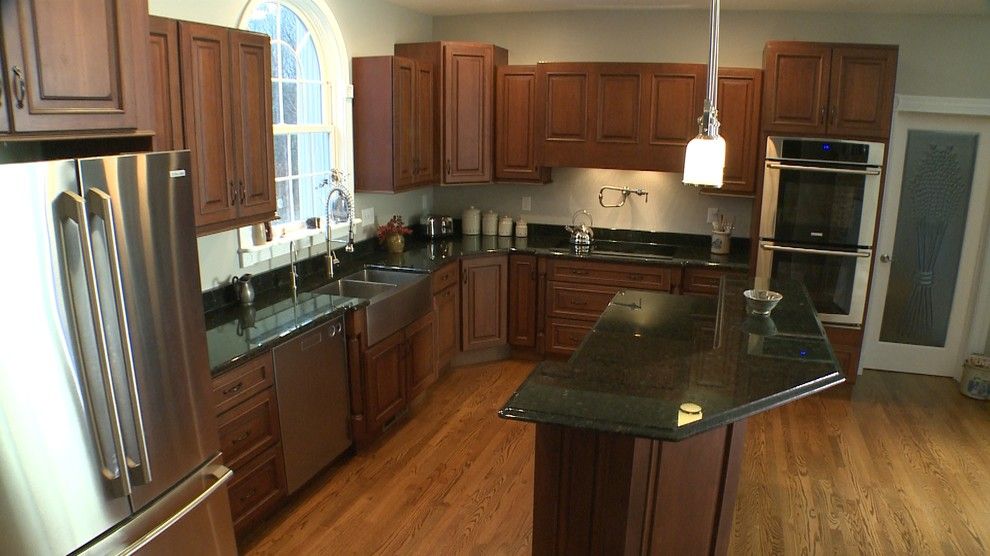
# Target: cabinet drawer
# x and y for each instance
(703, 280)
(242, 382)
(564, 336)
(644, 277)
(248, 429)
(257, 489)
(574, 301)
(445, 276)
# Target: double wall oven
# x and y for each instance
(818, 219)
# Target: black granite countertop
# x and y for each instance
(651, 352)
(235, 333)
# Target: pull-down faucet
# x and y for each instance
(333, 217)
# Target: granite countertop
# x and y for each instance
(651, 352)
(235, 333)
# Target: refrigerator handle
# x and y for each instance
(99, 204)
(71, 207)
(219, 473)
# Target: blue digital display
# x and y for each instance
(826, 146)
(804, 353)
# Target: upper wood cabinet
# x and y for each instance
(625, 116)
(484, 304)
(515, 126)
(738, 102)
(163, 78)
(226, 112)
(394, 118)
(829, 89)
(72, 64)
(464, 96)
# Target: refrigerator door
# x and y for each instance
(61, 482)
(144, 246)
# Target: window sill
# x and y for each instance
(300, 239)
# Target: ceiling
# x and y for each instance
(458, 7)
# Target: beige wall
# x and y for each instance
(939, 56)
(369, 27)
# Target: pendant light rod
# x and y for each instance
(712, 91)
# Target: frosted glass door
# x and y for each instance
(932, 225)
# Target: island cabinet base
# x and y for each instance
(604, 493)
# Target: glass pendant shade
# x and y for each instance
(704, 161)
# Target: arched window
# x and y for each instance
(309, 93)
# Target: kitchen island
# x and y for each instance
(640, 434)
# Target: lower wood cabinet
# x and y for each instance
(250, 440)
(846, 343)
(387, 376)
(523, 290)
(703, 280)
(447, 313)
(484, 303)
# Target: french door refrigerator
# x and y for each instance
(107, 436)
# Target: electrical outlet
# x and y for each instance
(368, 216)
(712, 214)
(527, 203)
(425, 204)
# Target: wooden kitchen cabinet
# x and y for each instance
(847, 344)
(393, 121)
(385, 384)
(227, 124)
(522, 300)
(515, 126)
(163, 78)
(703, 280)
(484, 303)
(73, 65)
(463, 93)
(824, 89)
(421, 370)
(446, 308)
(739, 100)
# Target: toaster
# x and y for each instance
(438, 226)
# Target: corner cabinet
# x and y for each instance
(821, 89)
(464, 95)
(484, 303)
(394, 116)
(72, 65)
(226, 105)
(515, 126)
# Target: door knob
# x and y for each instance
(885, 258)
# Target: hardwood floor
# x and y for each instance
(898, 465)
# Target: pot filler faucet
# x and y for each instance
(625, 191)
(336, 217)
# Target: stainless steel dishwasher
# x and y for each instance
(313, 400)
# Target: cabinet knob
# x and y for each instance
(834, 114)
(232, 192)
(20, 86)
(243, 191)
(821, 116)
(885, 258)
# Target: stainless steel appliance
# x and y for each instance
(107, 440)
(818, 219)
(438, 226)
(313, 408)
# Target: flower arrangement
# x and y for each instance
(395, 226)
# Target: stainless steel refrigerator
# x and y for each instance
(108, 440)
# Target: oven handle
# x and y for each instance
(862, 254)
(778, 166)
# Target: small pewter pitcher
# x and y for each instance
(243, 289)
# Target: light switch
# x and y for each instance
(368, 216)
(527, 203)
(712, 214)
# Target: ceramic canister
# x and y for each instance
(471, 221)
(505, 226)
(489, 223)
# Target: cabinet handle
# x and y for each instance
(243, 192)
(834, 115)
(579, 272)
(821, 116)
(249, 495)
(636, 277)
(244, 436)
(464, 275)
(232, 193)
(233, 389)
(579, 302)
(20, 87)
(447, 167)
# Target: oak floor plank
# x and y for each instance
(897, 465)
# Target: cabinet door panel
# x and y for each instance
(676, 98)
(448, 327)
(76, 60)
(797, 87)
(206, 112)
(422, 371)
(483, 302)
(522, 300)
(861, 96)
(385, 379)
(424, 157)
(618, 107)
(163, 76)
(468, 74)
(515, 125)
(252, 122)
(739, 114)
(404, 129)
(566, 107)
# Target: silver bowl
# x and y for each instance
(761, 302)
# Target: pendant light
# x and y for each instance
(704, 160)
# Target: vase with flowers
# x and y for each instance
(393, 234)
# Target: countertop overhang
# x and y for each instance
(651, 352)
